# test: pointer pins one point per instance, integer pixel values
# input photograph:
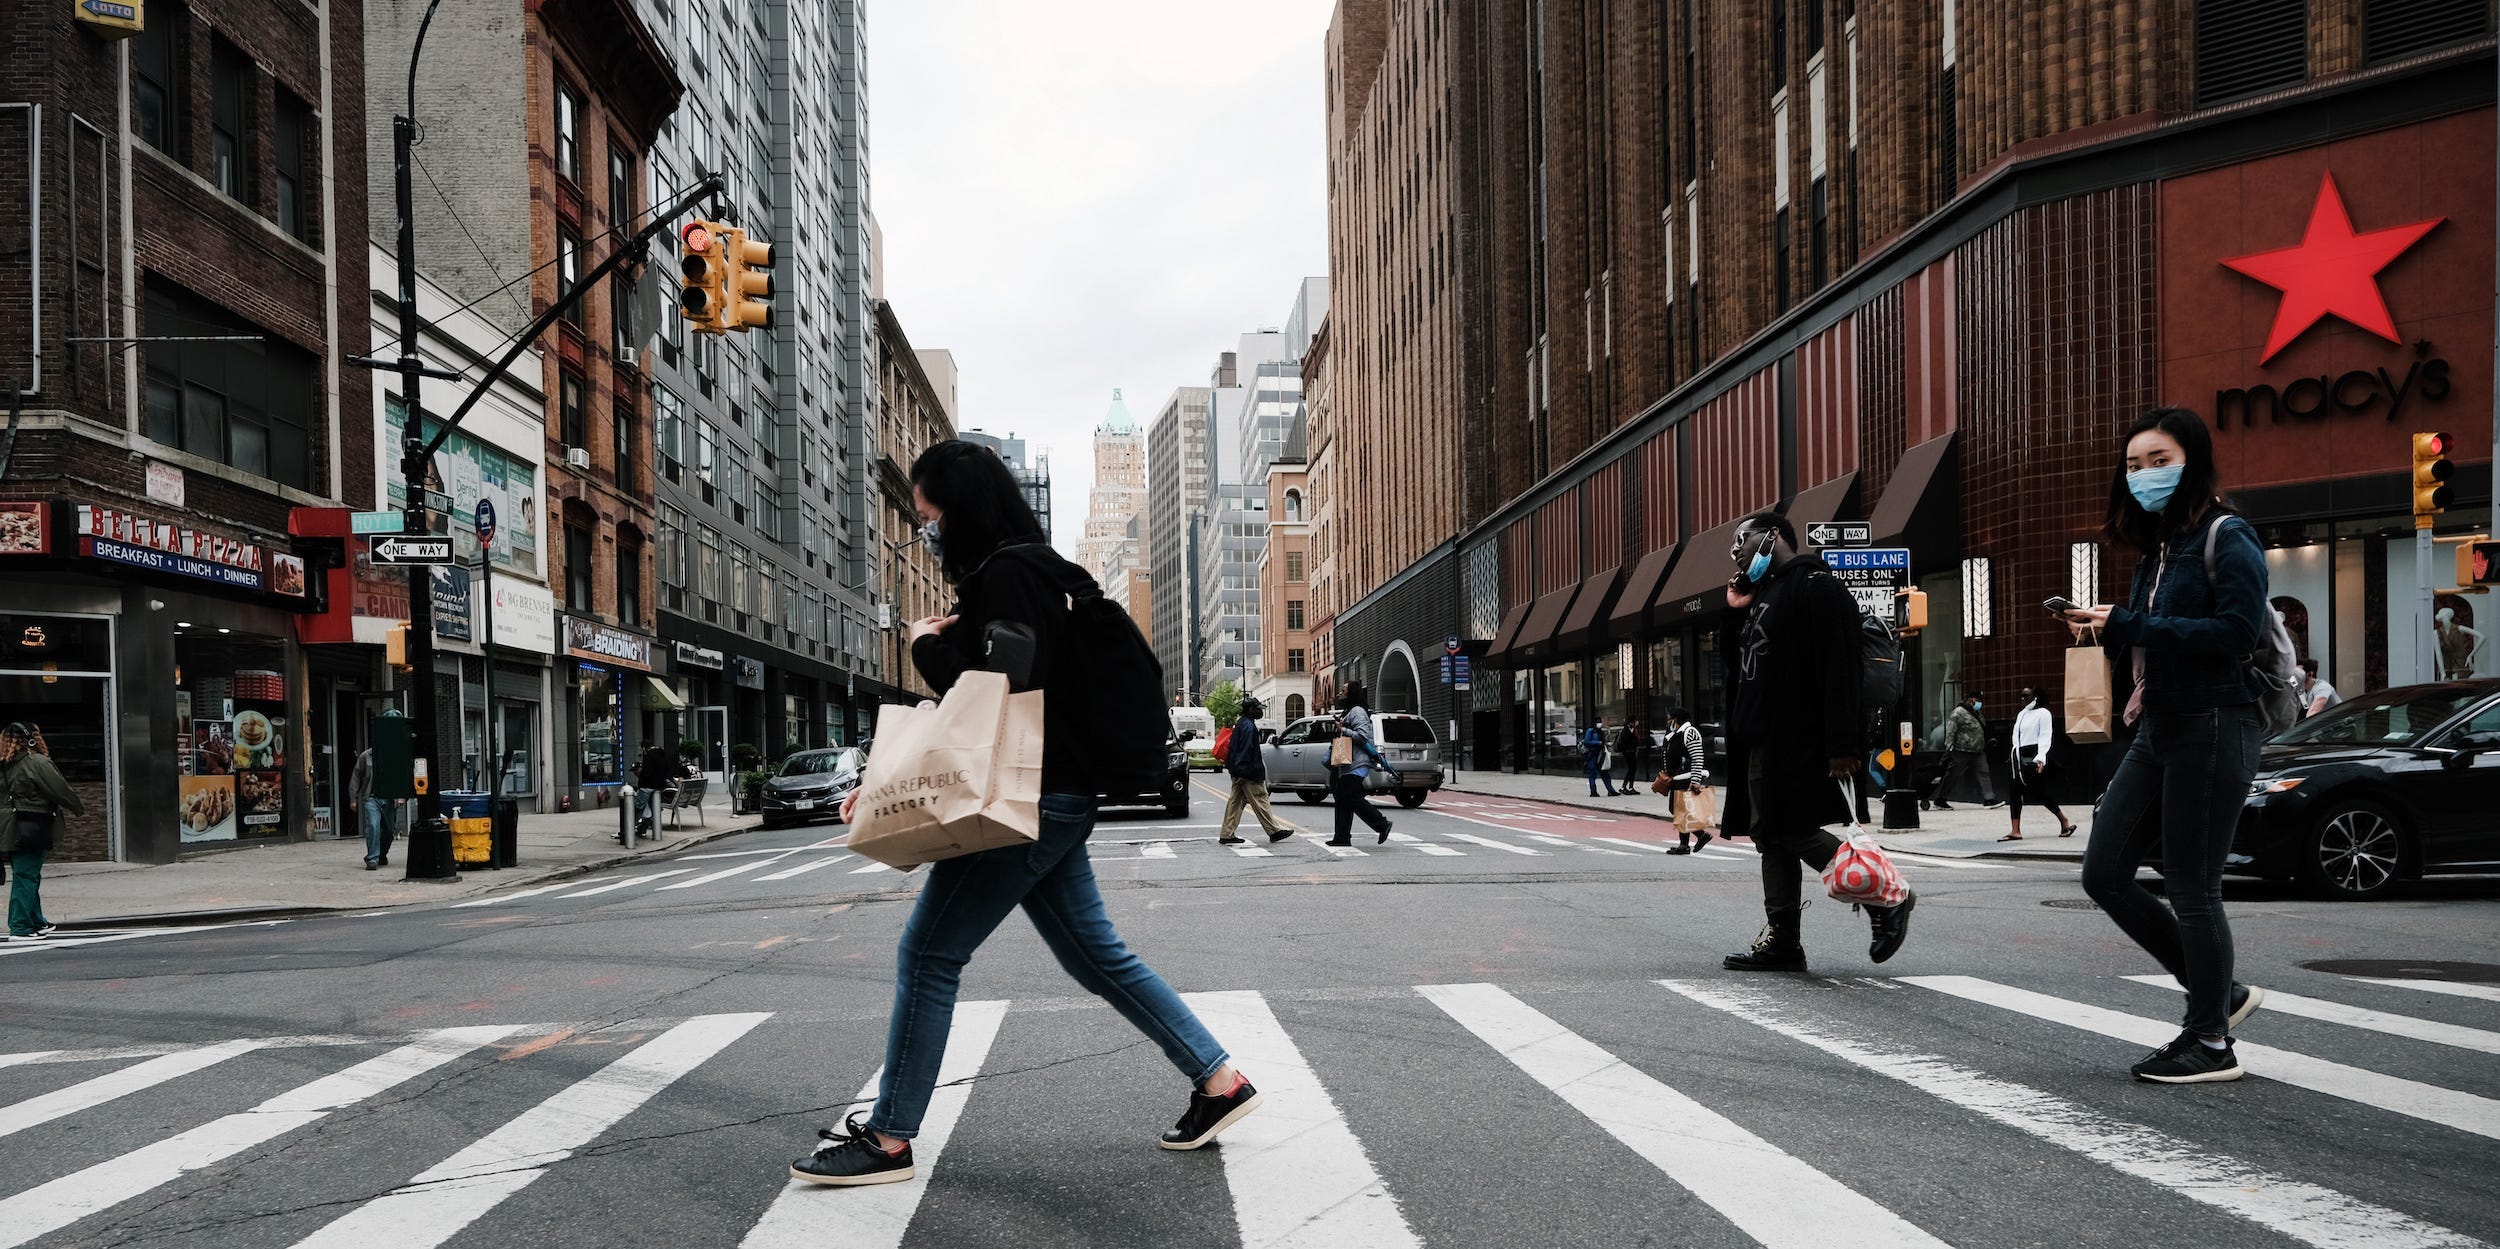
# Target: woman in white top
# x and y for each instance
(2032, 731)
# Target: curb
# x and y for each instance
(239, 914)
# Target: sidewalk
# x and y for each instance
(305, 877)
(1968, 831)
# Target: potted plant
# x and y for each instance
(751, 775)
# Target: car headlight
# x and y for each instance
(2274, 785)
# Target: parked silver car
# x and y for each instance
(1297, 760)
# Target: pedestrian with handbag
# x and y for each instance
(1593, 758)
(1630, 745)
(32, 797)
(2195, 613)
(1014, 616)
(1686, 779)
(1351, 783)
(2033, 731)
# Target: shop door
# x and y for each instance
(711, 725)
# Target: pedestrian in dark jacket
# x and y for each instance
(2184, 635)
(658, 773)
(1795, 732)
(1351, 785)
(1249, 772)
(1630, 745)
(32, 797)
(1593, 757)
(990, 545)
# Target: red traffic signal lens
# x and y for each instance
(697, 237)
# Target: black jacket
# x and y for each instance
(1807, 679)
(1246, 760)
(1016, 589)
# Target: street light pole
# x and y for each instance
(429, 837)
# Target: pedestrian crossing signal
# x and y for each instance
(2478, 565)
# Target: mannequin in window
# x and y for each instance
(2459, 645)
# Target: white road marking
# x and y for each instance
(1410, 839)
(723, 874)
(2305, 1212)
(87, 1094)
(869, 868)
(627, 883)
(1652, 846)
(804, 868)
(1777, 1199)
(452, 1194)
(1345, 852)
(1569, 844)
(1490, 843)
(514, 896)
(1946, 861)
(1254, 852)
(1299, 1177)
(2452, 988)
(52, 1206)
(103, 936)
(2465, 1112)
(2358, 1017)
(810, 1216)
(744, 854)
(1157, 850)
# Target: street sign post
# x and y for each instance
(1874, 575)
(363, 523)
(486, 523)
(403, 551)
(1840, 533)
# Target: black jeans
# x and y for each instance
(1348, 789)
(1786, 852)
(2182, 782)
(1960, 766)
(2034, 787)
(1631, 771)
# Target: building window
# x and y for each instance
(153, 83)
(629, 582)
(1779, 259)
(668, 430)
(569, 112)
(2083, 572)
(620, 186)
(1293, 565)
(706, 452)
(230, 85)
(1293, 613)
(247, 405)
(1295, 660)
(571, 425)
(2392, 29)
(569, 272)
(1819, 248)
(1779, 43)
(577, 571)
(1979, 617)
(2249, 47)
(1814, 26)
(291, 139)
(1948, 139)
(621, 430)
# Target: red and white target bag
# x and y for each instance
(1860, 872)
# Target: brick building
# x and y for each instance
(189, 268)
(1284, 681)
(1906, 263)
(911, 418)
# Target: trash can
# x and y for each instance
(1901, 808)
(507, 832)
(472, 842)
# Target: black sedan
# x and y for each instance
(2386, 787)
(1172, 794)
(812, 785)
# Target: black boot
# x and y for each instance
(1776, 949)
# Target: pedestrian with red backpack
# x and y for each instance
(1238, 747)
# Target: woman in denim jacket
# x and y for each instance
(2185, 634)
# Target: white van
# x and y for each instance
(1195, 726)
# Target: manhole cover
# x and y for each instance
(2071, 904)
(2408, 969)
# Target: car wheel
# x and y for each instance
(1312, 796)
(1410, 798)
(2354, 852)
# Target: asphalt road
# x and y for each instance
(1507, 1026)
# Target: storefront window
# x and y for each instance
(55, 675)
(1612, 700)
(519, 747)
(601, 696)
(1666, 677)
(1939, 651)
(793, 722)
(1556, 720)
(231, 735)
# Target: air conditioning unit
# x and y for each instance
(627, 357)
(577, 457)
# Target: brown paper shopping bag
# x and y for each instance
(962, 776)
(2091, 711)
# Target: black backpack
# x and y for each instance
(1121, 699)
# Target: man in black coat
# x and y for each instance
(1795, 732)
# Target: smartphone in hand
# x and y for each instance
(2059, 605)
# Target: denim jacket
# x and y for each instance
(2198, 633)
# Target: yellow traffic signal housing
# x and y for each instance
(2431, 471)
(2478, 565)
(704, 262)
(1913, 612)
(747, 283)
(395, 647)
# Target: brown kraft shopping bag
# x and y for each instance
(954, 778)
(2091, 712)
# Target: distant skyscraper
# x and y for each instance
(1119, 492)
(1180, 453)
(1033, 474)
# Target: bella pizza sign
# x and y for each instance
(2333, 272)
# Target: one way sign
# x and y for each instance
(403, 551)
(1840, 533)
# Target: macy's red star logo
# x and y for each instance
(2333, 272)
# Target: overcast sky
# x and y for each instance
(1090, 194)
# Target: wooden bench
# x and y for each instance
(688, 794)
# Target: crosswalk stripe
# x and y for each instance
(870, 867)
(71, 941)
(2358, 1017)
(514, 896)
(2466, 1112)
(807, 1216)
(1581, 844)
(1637, 845)
(1410, 839)
(87, 1094)
(2452, 988)
(52, 1206)
(2306, 1212)
(723, 874)
(627, 883)
(1157, 850)
(1254, 852)
(1490, 843)
(1346, 852)
(1779, 1200)
(457, 1191)
(1937, 860)
(1299, 1177)
(804, 868)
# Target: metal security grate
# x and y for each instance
(2248, 47)
(2395, 29)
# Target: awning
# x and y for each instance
(1833, 500)
(1584, 625)
(1506, 636)
(1699, 577)
(1921, 504)
(1631, 610)
(657, 696)
(1535, 637)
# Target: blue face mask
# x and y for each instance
(2152, 487)
(929, 538)
(1758, 564)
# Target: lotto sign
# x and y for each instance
(1874, 575)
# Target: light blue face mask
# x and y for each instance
(929, 538)
(2152, 487)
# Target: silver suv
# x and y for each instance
(1298, 759)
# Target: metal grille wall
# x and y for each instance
(2394, 29)
(2249, 47)
(1885, 427)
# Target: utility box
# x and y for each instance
(394, 741)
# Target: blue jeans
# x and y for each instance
(964, 901)
(2182, 782)
(1597, 772)
(378, 823)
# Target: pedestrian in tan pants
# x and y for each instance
(1249, 772)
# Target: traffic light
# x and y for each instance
(2478, 564)
(706, 269)
(1913, 612)
(395, 648)
(748, 281)
(2431, 471)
